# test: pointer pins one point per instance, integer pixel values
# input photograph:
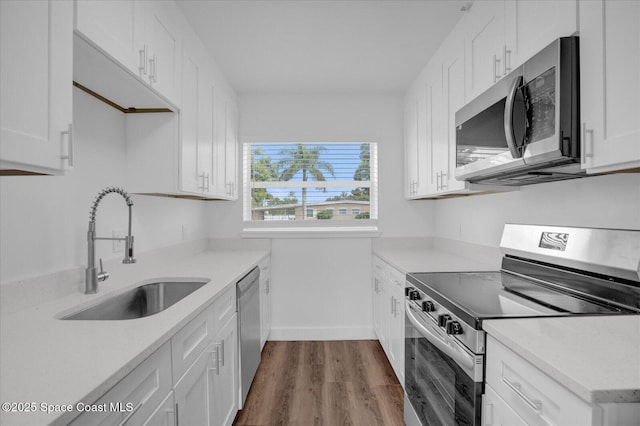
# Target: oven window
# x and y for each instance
(440, 392)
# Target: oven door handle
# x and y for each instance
(456, 353)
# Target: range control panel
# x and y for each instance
(450, 324)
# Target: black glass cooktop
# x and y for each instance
(475, 296)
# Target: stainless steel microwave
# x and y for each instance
(525, 128)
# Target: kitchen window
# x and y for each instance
(303, 185)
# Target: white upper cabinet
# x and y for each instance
(610, 87)
(484, 27)
(163, 48)
(196, 118)
(231, 150)
(117, 27)
(411, 154)
(36, 74)
(142, 36)
(531, 25)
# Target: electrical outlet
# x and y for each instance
(184, 232)
(117, 246)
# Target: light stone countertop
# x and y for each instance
(47, 360)
(597, 358)
(436, 255)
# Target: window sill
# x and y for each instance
(312, 232)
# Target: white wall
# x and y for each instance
(330, 277)
(610, 201)
(43, 219)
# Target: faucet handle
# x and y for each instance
(102, 275)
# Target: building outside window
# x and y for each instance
(306, 183)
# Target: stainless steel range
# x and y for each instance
(546, 271)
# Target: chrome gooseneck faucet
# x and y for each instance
(92, 276)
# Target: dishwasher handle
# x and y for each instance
(246, 282)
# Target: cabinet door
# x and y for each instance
(496, 412)
(205, 132)
(193, 392)
(531, 25)
(36, 74)
(435, 130)
(117, 28)
(411, 147)
(483, 45)
(265, 306)
(163, 48)
(453, 99)
(165, 414)
(189, 179)
(610, 88)
(396, 324)
(224, 379)
(231, 149)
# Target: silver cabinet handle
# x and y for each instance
(214, 362)
(587, 153)
(153, 69)
(142, 68)
(442, 176)
(535, 405)
(496, 67)
(393, 305)
(506, 53)
(220, 351)
(69, 134)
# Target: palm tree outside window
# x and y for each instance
(307, 182)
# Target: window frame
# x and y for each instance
(310, 228)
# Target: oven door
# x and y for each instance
(443, 379)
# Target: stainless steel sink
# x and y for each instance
(141, 301)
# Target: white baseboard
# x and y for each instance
(322, 333)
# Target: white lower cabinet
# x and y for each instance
(388, 313)
(224, 378)
(517, 392)
(191, 380)
(193, 389)
(496, 412)
(134, 398)
(265, 300)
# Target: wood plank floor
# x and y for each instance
(323, 383)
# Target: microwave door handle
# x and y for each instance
(508, 117)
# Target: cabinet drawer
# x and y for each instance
(224, 307)
(138, 394)
(533, 395)
(189, 342)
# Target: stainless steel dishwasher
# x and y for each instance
(249, 329)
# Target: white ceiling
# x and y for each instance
(321, 46)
